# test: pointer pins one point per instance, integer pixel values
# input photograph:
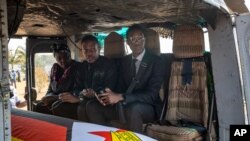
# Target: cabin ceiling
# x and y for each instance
(57, 17)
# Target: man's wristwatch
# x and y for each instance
(81, 97)
(124, 99)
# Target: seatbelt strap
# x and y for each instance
(187, 72)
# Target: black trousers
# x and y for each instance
(81, 110)
(65, 109)
(41, 108)
(58, 108)
(136, 114)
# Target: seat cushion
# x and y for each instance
(172, 133)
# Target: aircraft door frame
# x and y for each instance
(242, 28)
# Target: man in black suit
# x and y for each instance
(141, 103)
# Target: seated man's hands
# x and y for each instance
(68, 97)
(48, 100)
(109, 97)
(89, 93)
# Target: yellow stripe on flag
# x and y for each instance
(124, 136)
(15, 139)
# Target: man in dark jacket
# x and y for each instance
(141, 102)
(94, 75)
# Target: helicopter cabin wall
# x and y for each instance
(226, 75)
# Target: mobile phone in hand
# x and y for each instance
(99, 98)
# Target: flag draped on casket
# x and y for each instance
(31, 126)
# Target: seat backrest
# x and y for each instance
(152, 41)
(114, 46)
(188, 96)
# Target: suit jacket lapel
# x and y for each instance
(144, 62)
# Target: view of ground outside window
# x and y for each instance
(43, 64)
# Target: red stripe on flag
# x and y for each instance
(29, 129)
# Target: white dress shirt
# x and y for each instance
(139, 59)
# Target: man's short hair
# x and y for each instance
(135, 27)
(89, 38)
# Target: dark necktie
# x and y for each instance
(133, 67)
